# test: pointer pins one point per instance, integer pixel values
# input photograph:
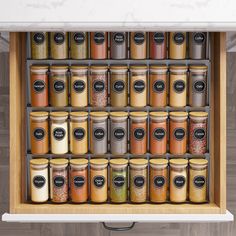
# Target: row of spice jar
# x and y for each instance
(80, 137)
(122, 45)
(158, 88)
(158, 183)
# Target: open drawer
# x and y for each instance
(121, 212)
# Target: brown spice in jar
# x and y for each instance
(78, 45)
(98, 45)
(157, 42)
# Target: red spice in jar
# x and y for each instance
(198, 132)
(157, 42)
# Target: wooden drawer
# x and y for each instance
(217, 195)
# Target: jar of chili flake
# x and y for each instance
(198, 132)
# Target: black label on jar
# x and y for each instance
(199, 133)
(59, 181)
(59, 133)
(139, 38)
(159, 86)
(179, 38)
(119, 38)
(39, 134)
(118, 181)
(79, 37)
(79, 181)
(79, 133)
(79, 86)
(179, 86)
(199, 38)
(39, 181)
(179, 134)
(98, 86)
(139, 86)
(59, 38)
(119, 133)
(159, 181)
(159, 133)
(99, 134)
(59, 86)
(199, 181)
(99, 38)
(39, 38)
(139, 133)
(159, 37)
(99, 181)
(39, 86)
(199, 86)
(179, 181)
(118, 86)
(139, 181)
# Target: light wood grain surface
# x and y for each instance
(216, 229)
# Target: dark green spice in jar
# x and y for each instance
(78, 45)
(39, 45)
(59, 45)
(118, 180)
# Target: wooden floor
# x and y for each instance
(219, 229)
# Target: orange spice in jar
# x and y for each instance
(39, 85)
(158, 181)
(158, 85)
(138, 180)
(39, 132)
(98, 180)
(177, 45)
(138, 45)
(79, 180)
(178, 180)
(98, 45)
(158, 132)
(178, 133)
(138, 133)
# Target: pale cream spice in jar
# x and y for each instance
(39, 180)
(59, 132)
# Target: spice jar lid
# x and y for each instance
(159, 161)
(78, 115)
(140, 68)
(39, 115)
(118, 163)
(178, 68)
(99, 115)
(178, 162)
(198, 114)
(118, 115)
(39, 68)
(158, 68)
(138, 163)
(98, 68)
(39, 161)
(198, 163)
(178, 115)
(78, 68)
(138, 115)
(82, 163)
(59, 115)
(158, 115)
(59, 68)
(120, 68)
(59, 161)
(198, 68)
(98, 163)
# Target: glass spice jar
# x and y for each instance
(118, 42)
(39, 85)
(197, 45)
(158, 185)
(138, 133)
(177, 45)
(118, 180)
(158, 85)
(158, 132)
(197, 85)
(178, 132)
(79, 86)
(98, 180)
(59, 132)
(59, 45)
(178, 85)
(39, 132)
(98, 45)
(157, 45)
(98, 132)
(198, 180)
(138, 45)
(59, 180)
(39, 45)
(118, 132)
(138, 85)
(39, 187)
(79, 180)
(119, 85)
(138, 180)
(198, 132)
(78, 45)
(98, 85)
(178, 180)
(59, 85)
(79, 132)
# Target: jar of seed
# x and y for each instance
(39, 45)
(59, 45)
(78, 45)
